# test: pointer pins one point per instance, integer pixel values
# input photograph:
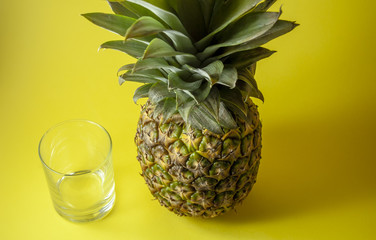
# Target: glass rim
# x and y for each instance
(75, 120)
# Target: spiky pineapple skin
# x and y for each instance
(196, 172)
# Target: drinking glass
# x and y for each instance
(77, 161)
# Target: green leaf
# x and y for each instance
(201, 93)
(163, 4)
(252, 69)
(248, 90)
(143, 27)
(142, 92)
(233, 101)
(245, 89)
(214, 70)
(239, 113)
(127, 67)
(247, 58)
(159, 48)
(190, 15)
(156, 73)
(158, 109)
(224, 13)
(198, 71)
(132, 47)
(184, 104)
(121, 10)
(264, 6)
(201, 118)
(206, 10)
(188, 59)
(121, 80)
(244, 30)
(181, 98)
(166, 107)
(246, 76)
(217, 110)
(153, 63)
(212, 103)
(228, 77)
(139, 78)
(146, 9)
(233, 97)
(176, 82)
(180, 41)
(280, 28)
(159, 91)
(226, 120)
(112, 22)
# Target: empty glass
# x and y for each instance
(77, 160)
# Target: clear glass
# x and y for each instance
(77, 160)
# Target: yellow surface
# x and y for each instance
(317, 179)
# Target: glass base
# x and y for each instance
(89, 215)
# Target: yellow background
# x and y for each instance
(317, 179)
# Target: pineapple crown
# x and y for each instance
(194, 57)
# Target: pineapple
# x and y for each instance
(199, 133)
